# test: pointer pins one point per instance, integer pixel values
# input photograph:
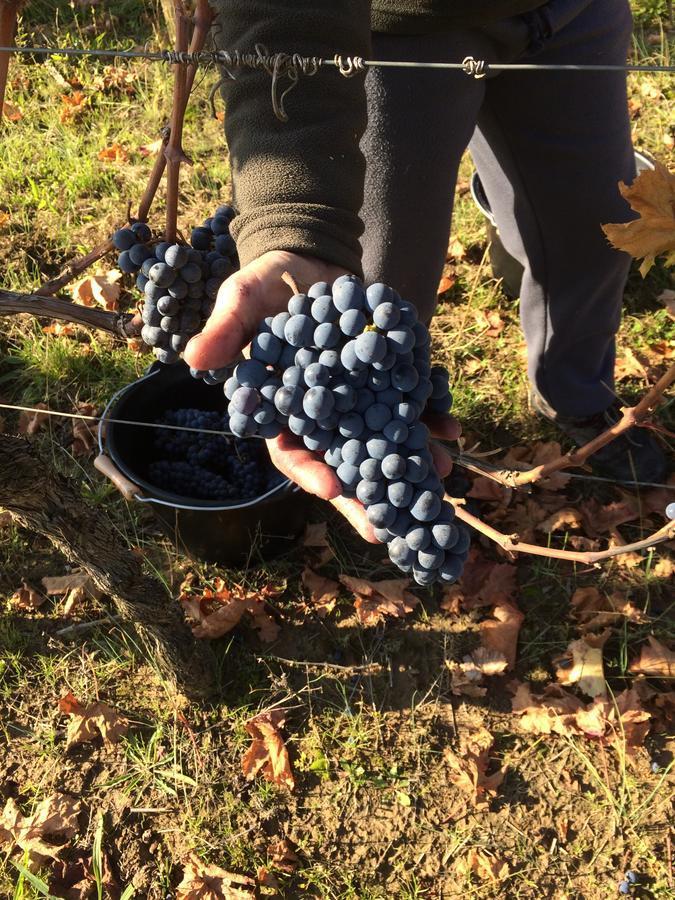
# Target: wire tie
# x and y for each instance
(477, 68)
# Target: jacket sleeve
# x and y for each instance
(298, 185)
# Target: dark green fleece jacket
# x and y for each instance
(298, 185)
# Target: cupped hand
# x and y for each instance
(244, 300)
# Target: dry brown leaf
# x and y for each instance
(26, 597)
(268, 755)
(32, 422)
(376, 599)
(468, 768)
(44, 833)
(564, 518)
(466, 679)
(282, 855)
(85, 431)
(72, 105)
(601, 518)
(500, 633)
(316, 535)
(451, 600)
(202, 881)
(102, 289)
(75, 588)
(484, 867)
(488, 489)
(667, 298)
(629, 366)
(89, 722)
(151, 149)
(11, 112)
(456, 249)
(490, 323)
(582, 664)
(74, 879)
(594, 610)
(663, 568)
(218, 611)
(114, 153)
(551, 712)
(652, 195)
(445, 284)
(485, 582)
(655, 660)
(489, 661)
(60, 329)
(323, 592)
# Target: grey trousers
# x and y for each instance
(550, 149)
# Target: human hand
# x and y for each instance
(244, 300)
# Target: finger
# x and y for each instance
(443, 427)
(230, 326)
(442, 459)
(355, 514)
(302, 467)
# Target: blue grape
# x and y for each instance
(178, 289)
(333, 455)
(352, 322)
(301, 424)
(445, 535)
(370, 347)
(326, 336)
(400, 494)
(351, 425)
(268, 388)
(293, 376)
(379, 381)
(425, 506)
(345, 397)
(279, 323)
(380, 515)
(318, 403)
(354, 452)
(431, 558)
(319, 289)
(371, 469)
(139, 253)
(400, 553)
(401, 524)
(368, 492)
(124, 239)
(401, 339)
(348, 294)
(244, 400)
(418, 537)
(378, 293)
(126, 264)
(304, 357)
(394, 466)
(331, 360)
(299, 305)
(168, 306)
(405, 377)
(406, 411)
(377, 416)
(316, 375)
(266, 348)
(242, 425)
(323, 310)
(396, 431)
(348, 475)
(288, 400)
(251, 373)
(670, 511)
(299, 330)
(318, 440)
(364, 400)
(176, 256)
(265, 413)
(463, 541)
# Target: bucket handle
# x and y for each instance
(127, 488)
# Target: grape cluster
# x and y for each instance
(179, 282)
(209, 466)
(347, 369)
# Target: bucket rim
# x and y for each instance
(197, 505)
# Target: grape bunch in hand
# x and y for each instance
(346, 369)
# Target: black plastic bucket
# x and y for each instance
(505, 266)
(209, 530)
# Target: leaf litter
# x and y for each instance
(44, 833)
(87, 723)
(267, 755)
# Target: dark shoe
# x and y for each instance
(634, 456)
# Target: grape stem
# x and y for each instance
(512, 544)
(173, 151)
(289, 279)
(203, 19)
(122, 325)
(8, 13)
(630, 416)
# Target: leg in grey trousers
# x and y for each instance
(550, 148)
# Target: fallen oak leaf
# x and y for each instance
(469, 768)
(484, 867)
(652, 196)
(376, 599)
(564, 518)
(655, 660)
(31, 422)
(90, 722)
(281, 854)
(44, 833)
(548, 713)
(268, 754)
(11, 112)
(114, 153)
(216, 623)
(85, 431)
(202, 881)
(27, 597)
(582, 664)
(500, 633)
(101, 289)
(323, 591)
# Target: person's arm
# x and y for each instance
(298, 185)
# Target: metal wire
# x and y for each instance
(346, 65)
(471, 465)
